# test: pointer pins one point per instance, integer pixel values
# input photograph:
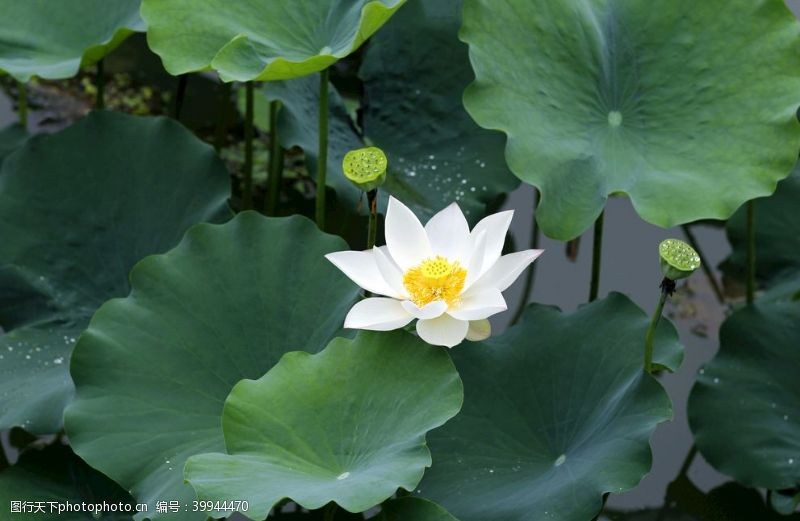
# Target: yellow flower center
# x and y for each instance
(435, 279)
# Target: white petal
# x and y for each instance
(405, 236)
(478, 304)
(390, 272)
(431, 310)
(443, 331)
(496, 227)
(506, 270)
(479, 330)
(448, 233)
(360, 267)
(377, 314)
(475, 263)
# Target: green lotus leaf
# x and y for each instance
(53, 40)
(54, 474)
(557, 411)
(729, 502)
(413, 509)
(412, 111)
(345, 425)
(667, 513)
(777, 223)
(247, 40)
(785, 504)
(753, 376)
(785, 287)
(602, 97)
(153, 370)
(77, 210)
(315, 515)
(11, 138)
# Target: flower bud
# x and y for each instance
(678, 259)
(365, 167)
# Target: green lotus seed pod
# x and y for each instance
(365, 167)
(678, 259)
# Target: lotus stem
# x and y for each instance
(682, 473)
(3, 458)
(330, 512)
(247, 189)
(322, 156)
(22, 104)
(530, 276)
(667, 287)
(275, 161)
(180, 94)
(712, 280)
(597, 251)
(222, 122)
(372, 230)
(100, 79)
(687, 462)
(751, 251)
(572, 248)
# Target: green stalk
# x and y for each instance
(529, 278)
(180, 94)
(712, 280)
(100, 79)
(597, 251)
(22, 104)
(687, 462)
(330, 512)
(372, 230)
(751, 251)
(3, 458)
(275, 160)
(651, 333)
(220, 132)
(322, 156)
(247, 190)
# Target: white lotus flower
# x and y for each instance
(448, 278)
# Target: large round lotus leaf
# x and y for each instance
(777, 220)
(413, 112)
(754, 376)
(54, 39)
(785, 502)
(314, 515)
(56, 475)
(413, 509)
(786, 287)
(11, 138)
(345, 425)
(557, 411)
(255, 40)
(728, 502)
(152, 371)
(77, 210)
(689, 108)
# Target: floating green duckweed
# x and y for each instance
(678, 259)
(365, 167)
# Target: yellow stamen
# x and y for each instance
(435, 279)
